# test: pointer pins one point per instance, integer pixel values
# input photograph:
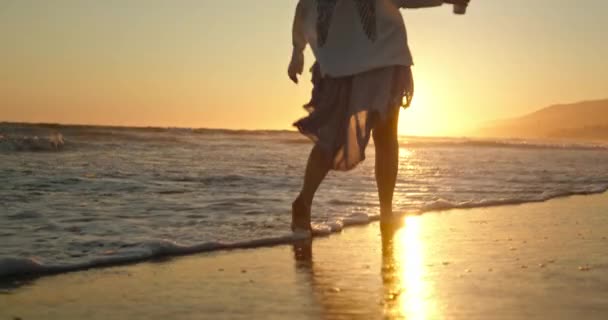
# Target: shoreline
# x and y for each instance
(16, 269)
(541, 260)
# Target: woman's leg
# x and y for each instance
(387, 161)
(316, 169)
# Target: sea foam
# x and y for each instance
(122, 195)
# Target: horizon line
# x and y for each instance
(119, 126)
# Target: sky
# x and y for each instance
(222, 64)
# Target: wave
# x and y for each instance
(206, 131)
(442, 205)
(296, 141)
(52, 142)
(17, 267)
(430, 142)
(13, 267)
(513, 143)
(91, 134)
(474, 143)
(116, 130)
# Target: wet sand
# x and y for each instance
(534, 261)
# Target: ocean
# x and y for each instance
(74, 197)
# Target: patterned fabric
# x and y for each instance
(367, 15)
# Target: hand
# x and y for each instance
(296, 66)
(463, 2)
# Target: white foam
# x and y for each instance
(237, 197)
(13, 266)
(52, 142)
(442, 204)
(10, 266)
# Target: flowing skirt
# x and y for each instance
(343, 111)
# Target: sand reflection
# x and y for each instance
(344, 282)
(407, 291)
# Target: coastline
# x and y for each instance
(538, 260)
(24, 268)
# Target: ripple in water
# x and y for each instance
(100, 196)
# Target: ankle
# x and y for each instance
(386, 212)
(300, 215)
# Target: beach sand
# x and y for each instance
(534, 261)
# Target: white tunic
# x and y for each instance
(348, 49)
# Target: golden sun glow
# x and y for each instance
(414, 302)
(167, 69)
(437, 107)
(417, 119)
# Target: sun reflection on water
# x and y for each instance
(408, 292)
(405, 153)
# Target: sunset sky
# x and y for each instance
(222, 64)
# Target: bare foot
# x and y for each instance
(391, 221)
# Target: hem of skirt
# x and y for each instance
(329, 154)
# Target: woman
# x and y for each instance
(360, 78)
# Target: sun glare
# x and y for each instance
(409, 255)
(415, 119)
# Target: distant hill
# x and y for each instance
(587, 120)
